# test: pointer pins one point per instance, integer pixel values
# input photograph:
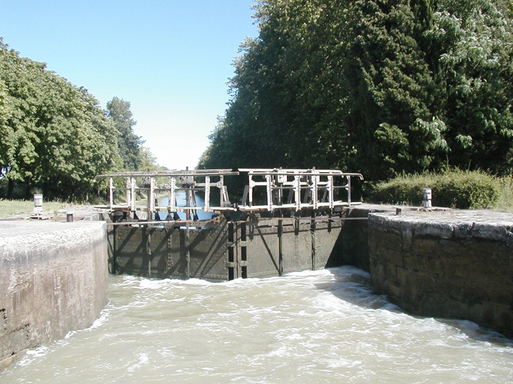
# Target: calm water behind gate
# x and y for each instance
(316, 327)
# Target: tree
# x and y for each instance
(374, 86)
(58, 138)
(393, 95)
(476, 52)
(129, 144)
(277, 116)
(6, 132)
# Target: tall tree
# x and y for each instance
(58, 138)
(476, 56)
(6, 131)
(129, 143)
(277, 114)
(372, 85)
(392, 91)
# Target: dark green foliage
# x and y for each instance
(392, 90)
(373, 86)
(278, 115)
(476, 50)
(129, 144)
(55, 137)
(455, 189)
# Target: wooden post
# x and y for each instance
(280, 247)
(313, 234)
(148, 248)
(331, 190)
(297, 191)
(133, 193)
(206, 203)
(188, 252)
(269, 193)
(111, 192)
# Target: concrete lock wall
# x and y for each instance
(53, 279)
(446, 264)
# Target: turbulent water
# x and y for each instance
(310, 327)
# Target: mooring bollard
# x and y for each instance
(426, 197)
(38, 204)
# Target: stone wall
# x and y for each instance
(53, 279)
(351, 247)
(452, 264)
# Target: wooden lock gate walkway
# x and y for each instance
(288, 220)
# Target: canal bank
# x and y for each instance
(448, 264)
(53, 280)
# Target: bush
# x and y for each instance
(456, 189)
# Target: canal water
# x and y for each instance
(309, 327)
(180, 202)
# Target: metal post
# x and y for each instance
(222, 192)
(426, 197)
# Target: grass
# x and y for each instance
(402, 190)
(505, 200)
(9, 208)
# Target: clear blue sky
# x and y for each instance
(171, 59)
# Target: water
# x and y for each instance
(322, 327)
(180, 202)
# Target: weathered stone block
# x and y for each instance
(434, 229)
(462, 230)
(455, 267)
(490, 231)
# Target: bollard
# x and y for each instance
(38, 204)
(69, 216)
(38, 200)
(426, 197)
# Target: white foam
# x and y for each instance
(323, 326)
(143, 360)
(32, 355)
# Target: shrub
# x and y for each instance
(457, 189)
